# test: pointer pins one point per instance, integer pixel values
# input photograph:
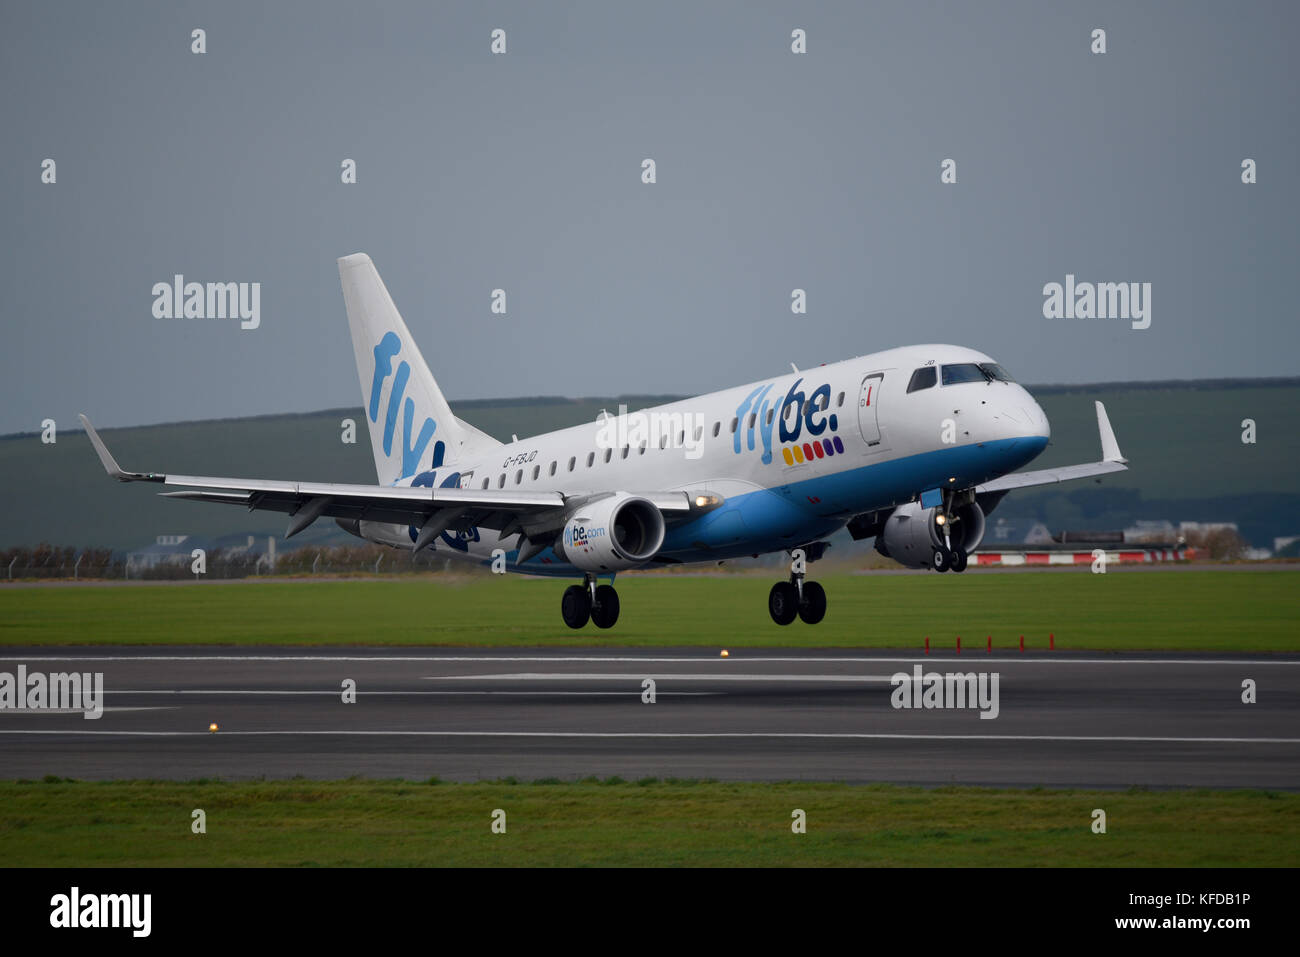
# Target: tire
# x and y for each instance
(959, 559)
(813, 608)
(783, 603)
(942, 560)
(575, 606)
(604, 613)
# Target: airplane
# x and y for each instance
(914, 446)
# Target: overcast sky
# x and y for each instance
(522, 171)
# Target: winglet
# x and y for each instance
(110, 463)
(1109, 447)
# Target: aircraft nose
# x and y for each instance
(1038, 419)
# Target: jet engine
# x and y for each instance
(612, 534)
(911, 535)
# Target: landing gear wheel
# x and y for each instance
(813, 607)
(942, 560)
(605, 610)
(959, 559)
(575, 606)
(783, 603)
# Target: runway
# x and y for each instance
(1063, 720)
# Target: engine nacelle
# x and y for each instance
(911, 533)
(612, 534)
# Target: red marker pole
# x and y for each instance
(927, 644)
(1051, 642)
(959, 644)
(1022, 642)
(990, 644)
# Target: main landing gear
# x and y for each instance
(599, 603)
(797, 598)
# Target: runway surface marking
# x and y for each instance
(336, 692)
(641, 676)
(106, 709)
(974, 655)
(680, 734)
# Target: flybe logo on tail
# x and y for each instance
(798, 413)
(412, 451)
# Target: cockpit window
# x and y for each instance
(963, 372)
(922, 379)
(996, 371)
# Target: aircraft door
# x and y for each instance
(868, 406)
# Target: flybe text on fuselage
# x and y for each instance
(412, 451)
(799, 423)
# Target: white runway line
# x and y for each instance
(336, 693)
(106, 709)
(658, 676)
(846, 735)
(736, 658)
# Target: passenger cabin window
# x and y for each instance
(485, 482)
(552, 472)
(963, 372)
(519, 476)
(734, 422)
(717, 427)
(591, 459)
(626, 449)
(501, 482)
(573, 460)
(537, 469)
(609, 453)
(840, 401)
(924, 378)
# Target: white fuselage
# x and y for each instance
(794, 457)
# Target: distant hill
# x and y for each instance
(1183, 439)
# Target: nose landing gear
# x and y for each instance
(589, 601)
(950, 559)
(797, 598)
(948, 556)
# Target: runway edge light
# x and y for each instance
(213, 727)
(725, 653)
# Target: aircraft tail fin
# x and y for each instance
(412, 428)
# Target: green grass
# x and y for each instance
(647, 823)
(1185, 610)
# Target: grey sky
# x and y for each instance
(522, 171)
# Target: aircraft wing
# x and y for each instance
(1111, 461)
(433, 510)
